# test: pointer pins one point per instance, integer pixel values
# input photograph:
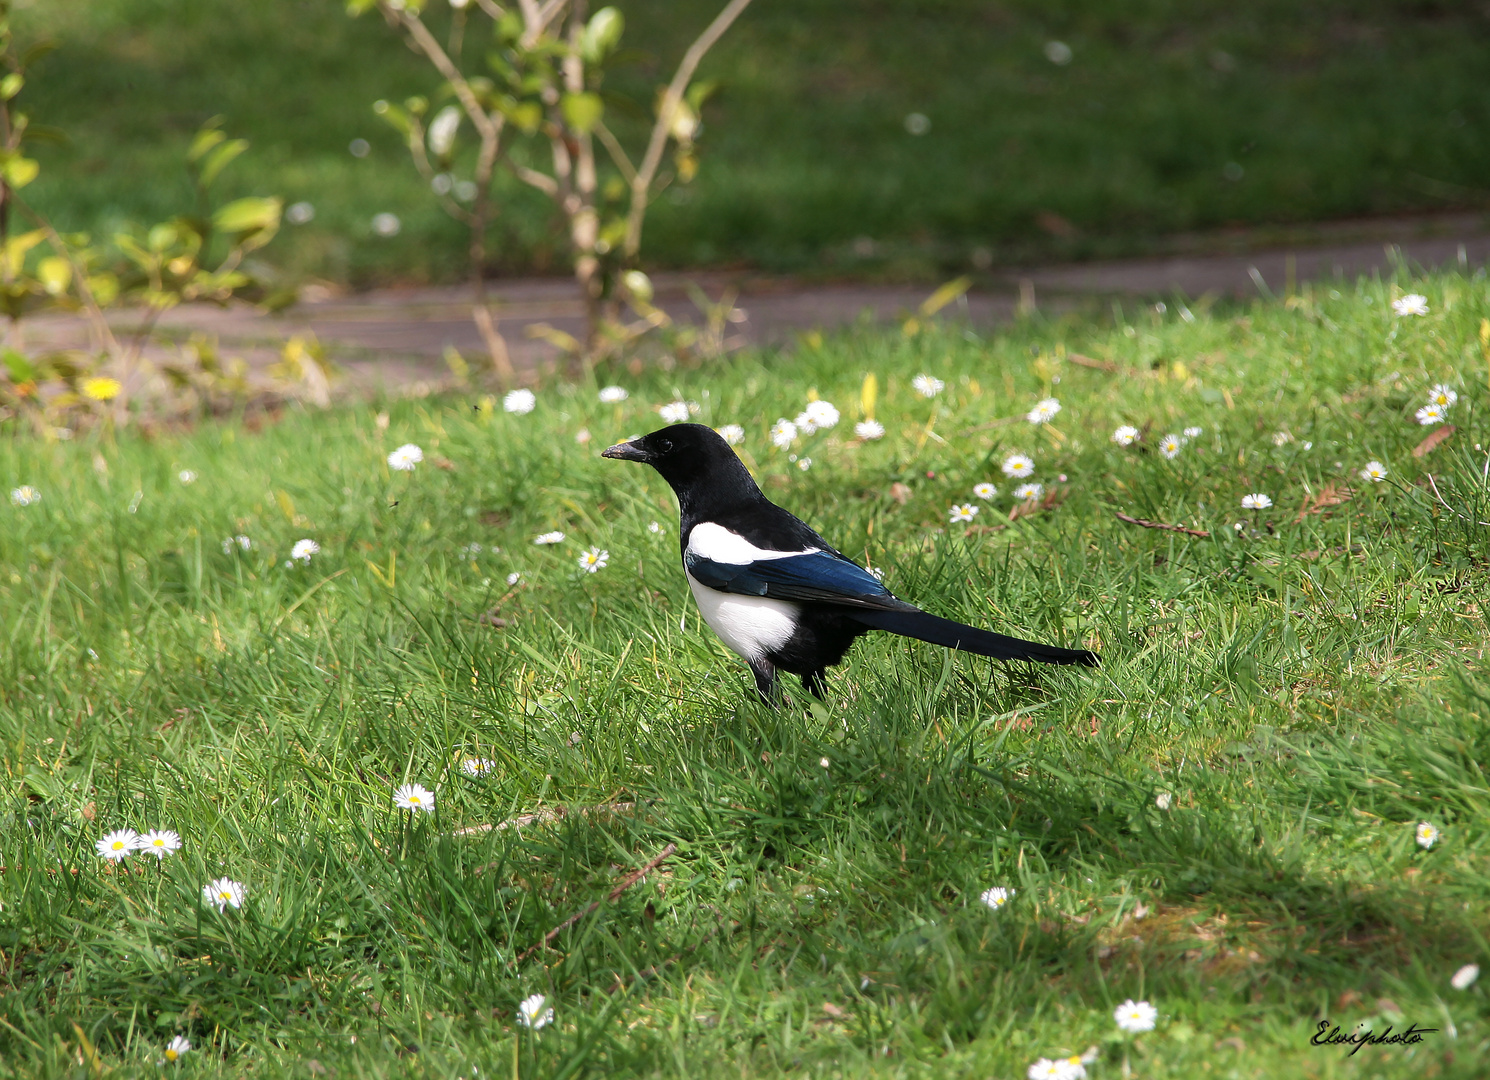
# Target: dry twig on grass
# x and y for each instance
(1202, 533)
(1088, 362)
(544, 817)
(625, 883)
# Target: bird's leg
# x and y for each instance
(816, 682)
(766, 683)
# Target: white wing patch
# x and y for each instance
(751, 626)
(715, 542)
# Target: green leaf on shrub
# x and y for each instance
(11, 85)
(20, 171)
(601, 34)
(582, 111)
(247, 215)
(55, 273)
(206, 138)
(18, 366)
(220, 157)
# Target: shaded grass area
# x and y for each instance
(1307, 689)
(1171, 116)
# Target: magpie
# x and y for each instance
(776, 592)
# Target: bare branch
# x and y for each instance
(441, 59)
(79, 275)
(641, 186)
(533, 178)
(617, 153)
(492, 10)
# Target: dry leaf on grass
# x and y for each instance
(1431, 443)
(1332, 494)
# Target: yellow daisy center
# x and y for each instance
(118, 845)
(414, 799)
(171, 1055)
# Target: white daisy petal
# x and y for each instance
(415, 798)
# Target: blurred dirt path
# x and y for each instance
(396, 338)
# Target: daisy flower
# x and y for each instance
(1464, 978)
(1126, 435)
(1018, 466)
(1135, 1016)
(554, 537)
(1059, 1069)
(1170, 445)
(985, 490)
(593, 561)
(1256, 501)
(25, 495)
(477, 766)
(783, 433)
(1427, 835)
(1430, 414)
(176, 1047)
(118, 845)
(1164, 800)
(186, 476)
(805, 464)
(869, 429)
(819, 414)
(471, 550)
(1193, 432)
(405, 458)
(414, 797)
(965, 512)
(520, 401)
(241, 542)
(1374, 471)
(996, 897)
(224, 892)
(158, 842)
(1044, 411)
(613, 395)
(514, 577)
(928, 386)
(1282, 438)
(674, 412)
(654, 526)
(733, 434)
(1029, 492)
(304, 549)
(1443, 396)
(1411, 304)
(532, 1014)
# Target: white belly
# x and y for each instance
(750, 625)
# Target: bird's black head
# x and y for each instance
(695, 461)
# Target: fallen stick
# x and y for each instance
(1087, 362)
(625, 883)
(543, 817)
(1202, 533)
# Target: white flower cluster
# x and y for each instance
(1440, 400)
(122, 843)
(818, 416)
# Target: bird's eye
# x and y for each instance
(665, 446)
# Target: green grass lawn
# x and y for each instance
(1303, 688)
(1171, 115)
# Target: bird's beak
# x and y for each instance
(625, 452)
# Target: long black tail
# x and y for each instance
(927, 627)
